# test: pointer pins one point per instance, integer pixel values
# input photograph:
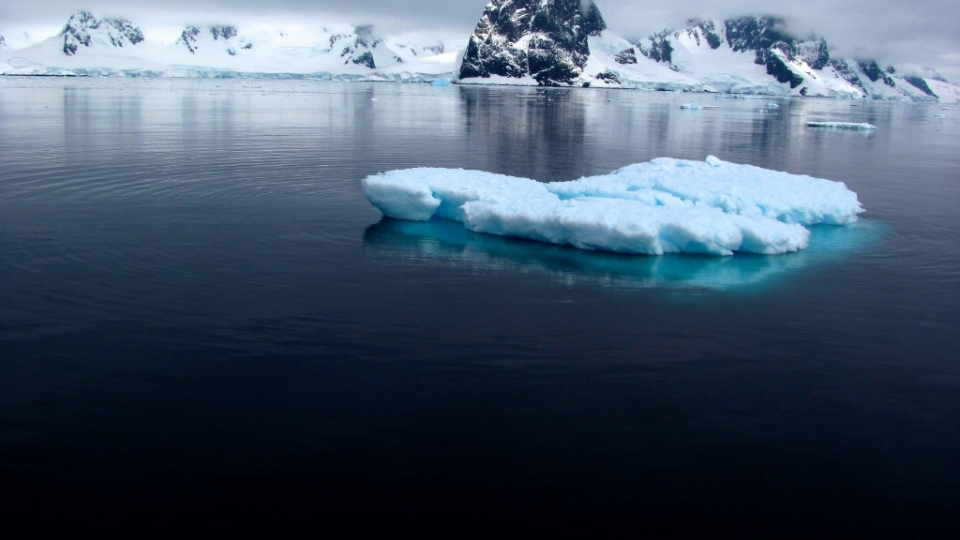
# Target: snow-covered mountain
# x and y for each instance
(545, 40)
(85, 30)
(748, 54)
(117, 47)
(526, 42)
(565, 42)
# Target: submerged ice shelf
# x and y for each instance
(663, 206)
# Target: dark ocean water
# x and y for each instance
(201, 317)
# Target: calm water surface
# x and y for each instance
(200, 315)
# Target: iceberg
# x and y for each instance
(842, 125)
(662, 206)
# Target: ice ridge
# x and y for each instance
(662, 206)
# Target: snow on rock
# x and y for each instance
(615, 63)
(222, 37)
(874, 82)
(748, 55)
(663, 206)
(542, 39)
(945, 92)
(85, 30)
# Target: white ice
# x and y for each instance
(842, 125)
(663, 206)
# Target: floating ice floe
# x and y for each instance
(842, 125)
(772, 106)
(663, 206)
(691, 107)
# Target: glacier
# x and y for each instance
(663, 206)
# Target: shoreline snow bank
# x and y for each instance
(663, 206)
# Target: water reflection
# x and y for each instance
(442, 242)
(540, 133)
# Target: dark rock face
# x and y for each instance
(755, 33)
(190, 37)
(872, 70)
(357, 47)
(768, 36)
(659, 49)
(854, 71)
(223, 32)
(82, 26)
(626, 56)
(920, 84)
(608, 77)
(847, 72)
(2, 43)
(707, 29)
(545, 39)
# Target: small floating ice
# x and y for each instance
(663, 206)
(772, 106)
(440, 83)
(691, 107)
(842, 125)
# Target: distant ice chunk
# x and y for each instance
(842, 125)
(772, 106)
(691, 107)
(664, 206)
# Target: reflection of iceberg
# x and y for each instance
(664, 206)
(442, 242)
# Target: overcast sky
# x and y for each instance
(908, 33)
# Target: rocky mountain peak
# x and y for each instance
(544, 39)
(83, 30)
(192, 38)
(766, 33)
(357, 47)
(767, 37)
